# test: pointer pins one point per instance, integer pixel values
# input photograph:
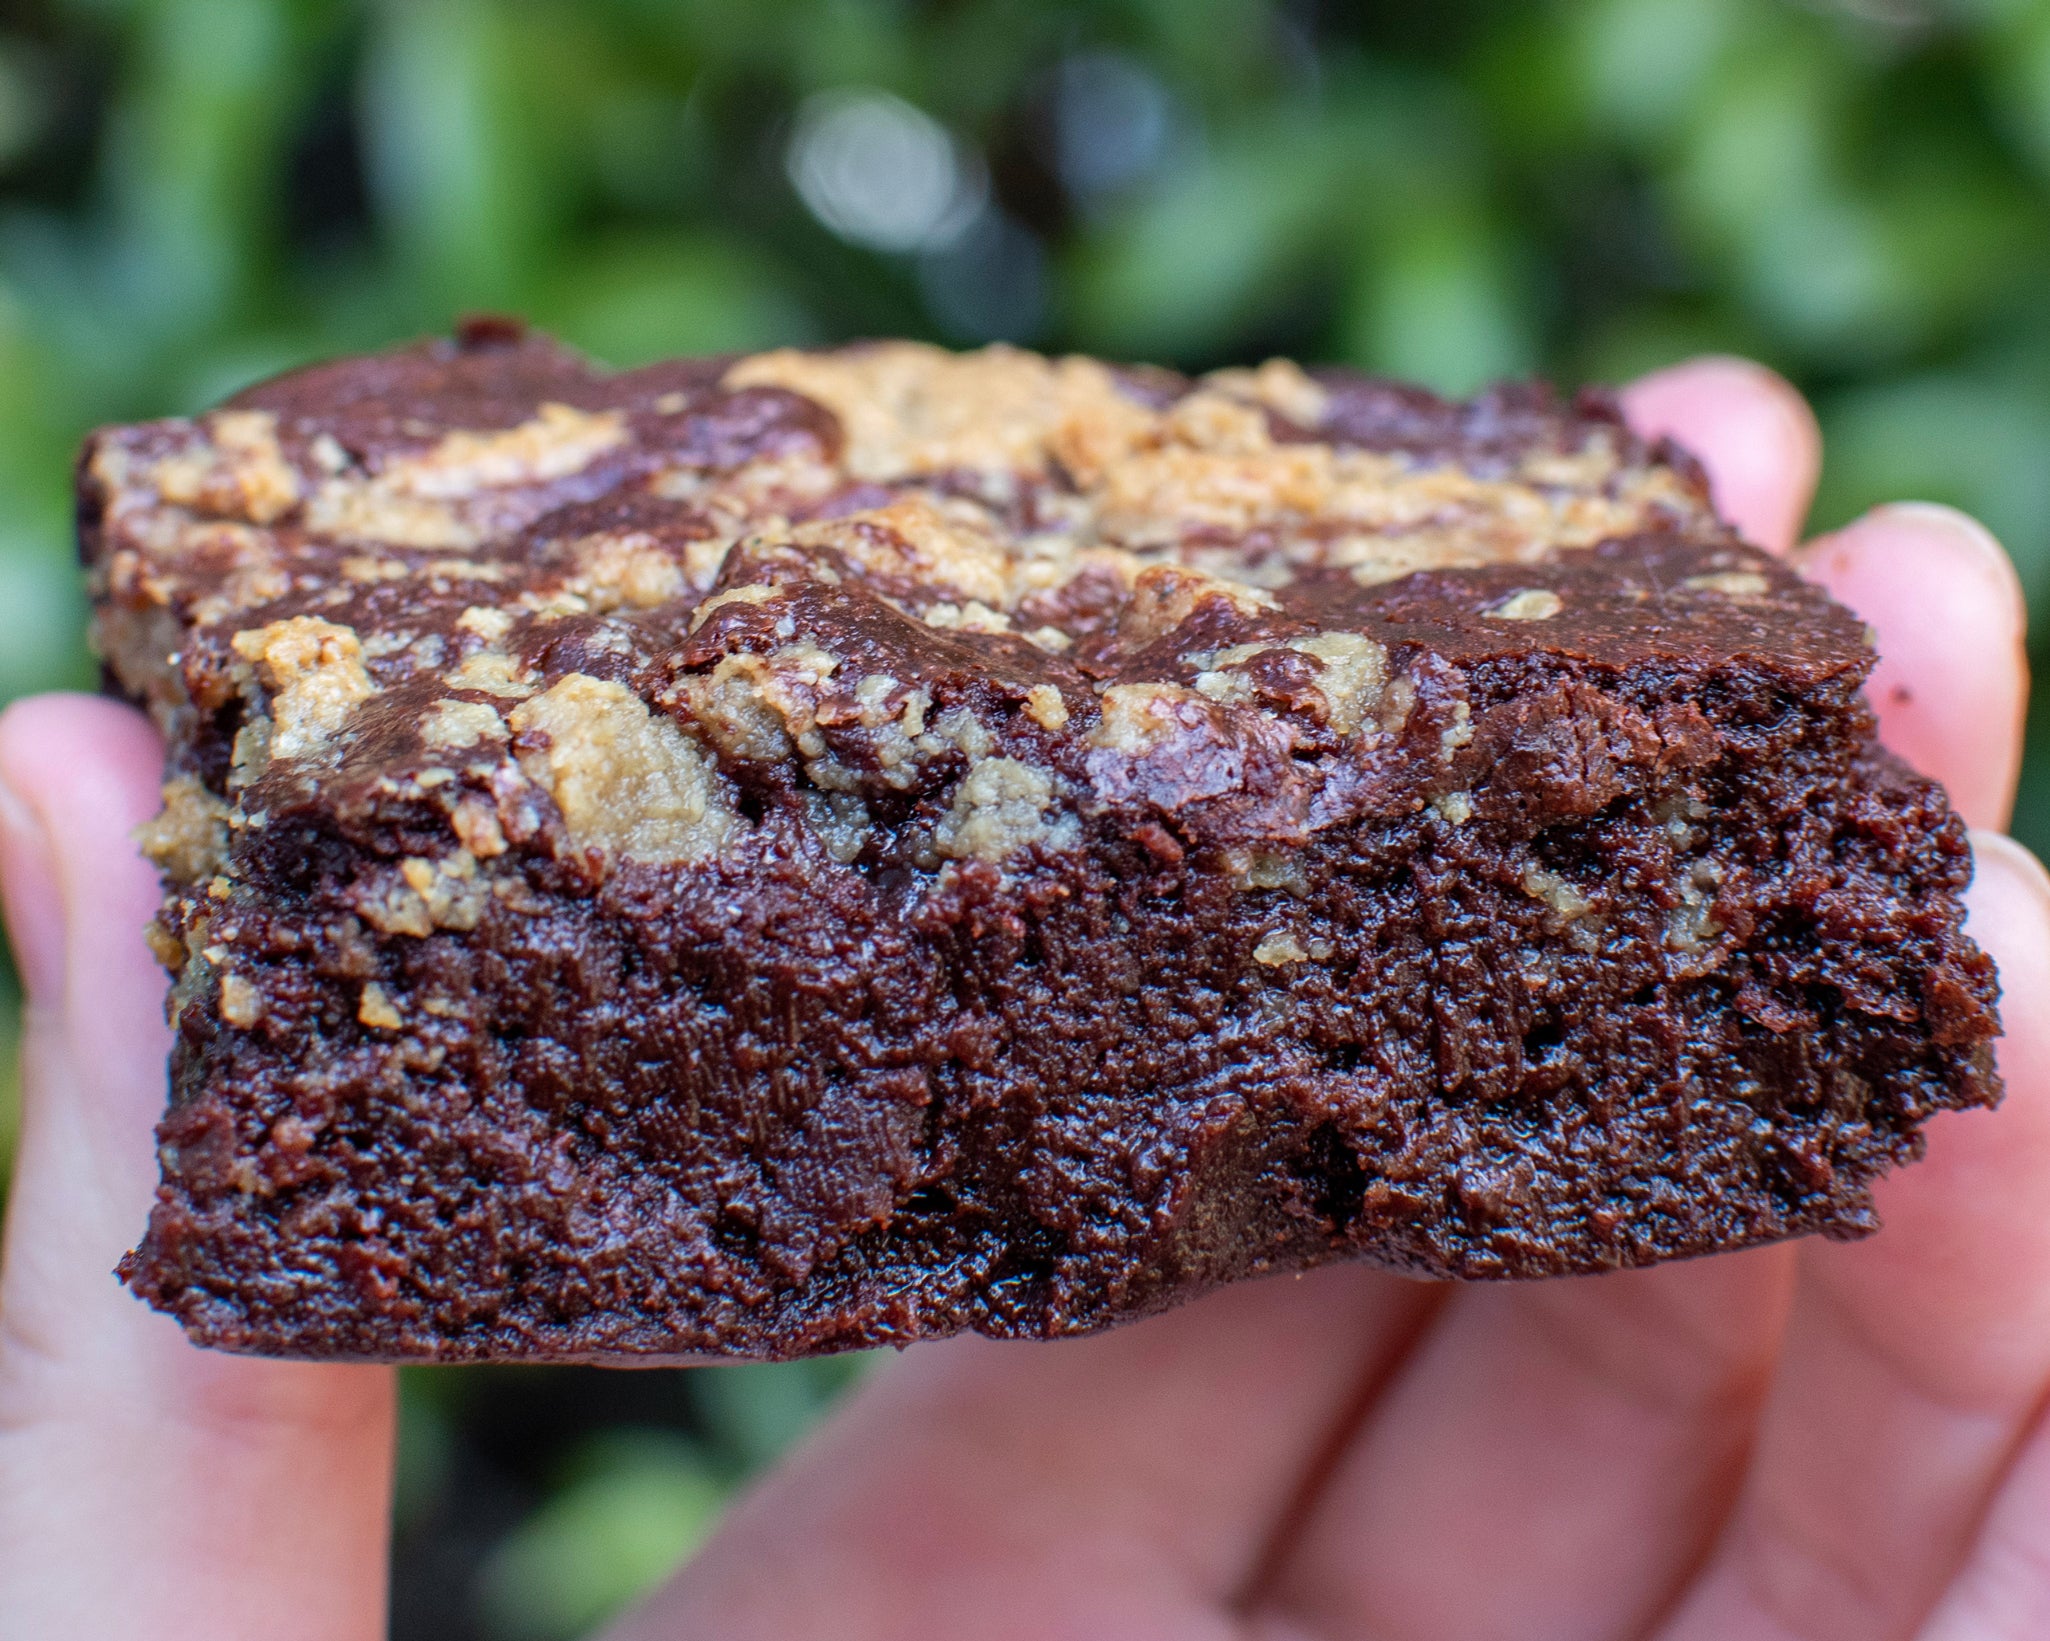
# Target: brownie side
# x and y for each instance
(774, 855)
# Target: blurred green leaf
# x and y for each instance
(1198, 260)
(638, 1503)
(629, 300)
(1647, 63)
(1975, 443)
(1218, 247)
(2032, 801)
(27, 97)
(466, 184)
(426, 1450)
(2018, 60)
(192, 151)
(1438, 300)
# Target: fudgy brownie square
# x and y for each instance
(811, 850)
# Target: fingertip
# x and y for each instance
(1958, 1224)
(78, 774)
(1751, 430)
(1945, 538)
(64, 746)
(1946, 609)
(2007, 910)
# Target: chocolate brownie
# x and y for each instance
(778, 854)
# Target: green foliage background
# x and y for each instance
(194, 193)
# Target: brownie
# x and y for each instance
(778, 854)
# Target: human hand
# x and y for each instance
(1809, 1441)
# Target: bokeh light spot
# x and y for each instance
(883, 174)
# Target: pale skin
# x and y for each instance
(1814, 1442)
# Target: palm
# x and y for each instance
(1804, 1442)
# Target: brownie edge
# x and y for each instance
(768, 855)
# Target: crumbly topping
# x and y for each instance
(492, 672)
(241, 472)
(487, 623)
(377, 1009)
(459, 725)
(1729, 583)
(418, 501)
(1000, 808)
(1207, 467)
(1051, 526)
(1045, 707)
(241, 1002)
(476, 824)
(1352, 676)
(449, 888)
(1355, 675)
(188, 841)
(1282, 385)
(560, 440)
(631, 570)
(1141, 718)
(628, 783)
(314, 673)
(755, 592)
(422, 895)
(1165, 595)
(1126, 483)
(842, 822)
(974, 616)
(1565, 901)
(1271, 869)
(908, 410)
(1279, 949)
(915, 541)
(1691, 926)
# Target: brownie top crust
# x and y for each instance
(482, 572)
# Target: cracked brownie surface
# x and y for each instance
(779, 854)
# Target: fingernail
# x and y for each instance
(1960, 531)
(34, 898)
(2011, 859)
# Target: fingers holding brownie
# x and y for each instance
(1947, 615)
(1584, 1438)
(1926, 1333)
(228, 1490)
(1753, 432)
(1941, 596)
(1892, 1461)
(1141, 1483)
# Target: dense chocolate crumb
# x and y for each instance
(788, 853)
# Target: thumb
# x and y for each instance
(146, 1487)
